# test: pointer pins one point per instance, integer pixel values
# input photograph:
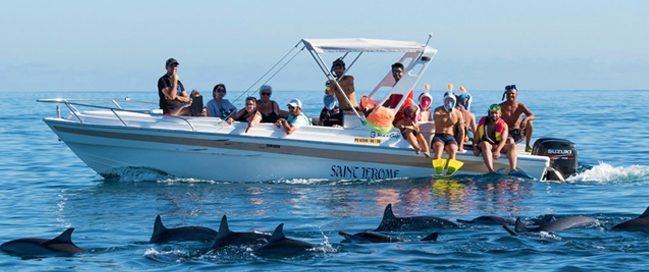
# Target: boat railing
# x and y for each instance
(73, 103)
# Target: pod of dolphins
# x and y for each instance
(278, 245)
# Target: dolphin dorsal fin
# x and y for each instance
(278, 234)
(158, 227)
(65, 237)
(224, 227)
(388, 215)
(645, 213)
(520, 226)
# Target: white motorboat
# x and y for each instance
(112, 139)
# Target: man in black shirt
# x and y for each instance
(173, 97)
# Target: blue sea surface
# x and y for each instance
(45, 189)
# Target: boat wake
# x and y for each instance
(606, 173)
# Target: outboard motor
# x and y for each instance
(562, 154)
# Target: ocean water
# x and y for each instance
(45, 188)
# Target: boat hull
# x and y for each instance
(234, 157)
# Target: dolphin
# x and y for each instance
(563, 223)
(373, 237)
(280, 246)
(488, 220)
(641, 223)
(226, 237)
(162, 234)
(392, 223)
(36, 247)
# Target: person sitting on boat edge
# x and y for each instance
(491, 139)
(346, 82)
(331, 115)
(269, 109)
(463, 106)
(172, 94)
(219, 106)
(512, 113)
(248, 114)
(446, 121)
(410, 131)
(425, 100)
(296, 118)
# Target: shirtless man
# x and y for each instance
(446, 121)
(463, 106)
(512, 113)
(491, 139)
(346, 82)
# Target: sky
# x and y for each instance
(484, 45)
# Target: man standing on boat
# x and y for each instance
(491, 139)
(173, 97)
(512, 112)
(296, 118)
(346, 82)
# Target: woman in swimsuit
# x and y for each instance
(410, 130)
(269, 109)
(248, 114)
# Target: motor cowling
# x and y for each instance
(562, 154)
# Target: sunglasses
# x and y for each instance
(250, 104)
(291, 107)
(220, 90)
(396, 72)
(510, 87)
(265, 94)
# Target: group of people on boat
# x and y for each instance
(175, 101)
(454, 125)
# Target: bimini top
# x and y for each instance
(361, 45)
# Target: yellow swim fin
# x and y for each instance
(439, 165)
(453, 166)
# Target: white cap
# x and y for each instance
(295, 103)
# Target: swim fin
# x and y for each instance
(439, 165)
(453, 166)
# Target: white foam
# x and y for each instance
(606, 173)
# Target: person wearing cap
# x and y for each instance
(331, 115)
(447, 122)
(491, 139)
(219, 106)
(518, 117)
(296, 118)
(346, 82)
(269, 109)
(172, 94)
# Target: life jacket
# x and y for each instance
(380, 119)
(482, 130)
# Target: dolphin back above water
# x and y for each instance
(563, 223)
(640, 223)
(280, 246)
(488, 220)
(392, 223)
(36, 247)
(226, 237)
(162, 234)
(373, 237)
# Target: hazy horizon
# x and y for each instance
(120, 45)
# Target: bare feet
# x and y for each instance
(427, 154)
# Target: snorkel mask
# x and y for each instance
(492, 108)
(449, 101)
(508, 89)
(330, 102)
(425, 99)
